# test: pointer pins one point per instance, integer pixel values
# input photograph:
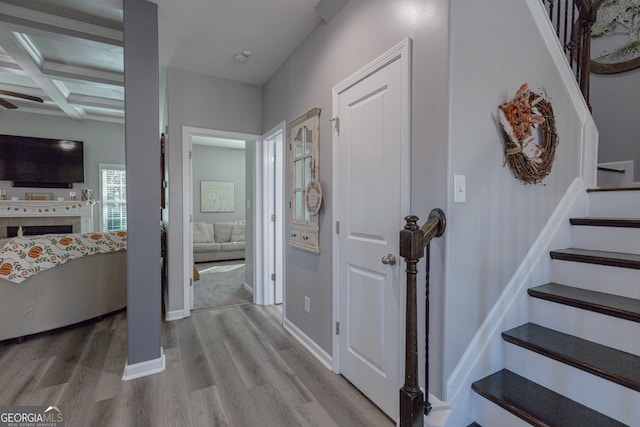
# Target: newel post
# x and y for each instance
(411, 397)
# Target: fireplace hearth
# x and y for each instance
(36, 230)
(46, 214)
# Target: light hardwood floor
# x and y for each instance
(232, 366)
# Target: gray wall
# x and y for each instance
(207, 102)
(490, 234)
(362, 31)
(454, 131)
(142, 147)
(616, 108)
(103, 143)
(218, 164)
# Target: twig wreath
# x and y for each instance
(529, 160)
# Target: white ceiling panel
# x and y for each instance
(69, 52)
(75, 51)
(95, 89)
(204, 35)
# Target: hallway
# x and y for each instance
(233, 366)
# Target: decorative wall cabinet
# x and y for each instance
(305, 194)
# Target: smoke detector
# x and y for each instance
(243, 56)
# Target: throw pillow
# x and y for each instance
(202, 232)
(222, 231)
(238, 233)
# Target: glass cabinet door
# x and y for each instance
(304, 132)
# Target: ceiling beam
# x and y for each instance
(15, 49)
(96, 101)
(10, 67)
(18, 18)
(26, 90)
(77, 72)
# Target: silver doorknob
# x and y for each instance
(389, 259)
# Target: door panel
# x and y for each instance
(370, 213)
(367, 289)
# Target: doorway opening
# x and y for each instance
(227, 228)
(219, 222)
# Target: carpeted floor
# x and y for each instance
(220, 285)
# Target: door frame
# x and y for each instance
(400, 52)
(273, 238)
(187, 207)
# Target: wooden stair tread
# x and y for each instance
(607, 222)
(606, 362)
(614, 259)
(599, 302)
(602, 190)
(474, 424)
(535, 404)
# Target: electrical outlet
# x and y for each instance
(307, 304)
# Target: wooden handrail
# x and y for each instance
(434, 227)
(605, 169)
(413, 241)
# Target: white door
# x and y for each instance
(372, 201)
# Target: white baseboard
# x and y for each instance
(142, 369)
(324, 357)
(174, 315)
(484, 354)
(248, 288)
(440, 412)
(171, 315)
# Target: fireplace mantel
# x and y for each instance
(35, 209)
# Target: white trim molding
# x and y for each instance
(309, 344)
(143, 369)
(401, 52)
(248, 288)
(589, 137)
(187, 203)
(174, 315)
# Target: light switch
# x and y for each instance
(459, 189)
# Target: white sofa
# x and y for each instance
(77, 290)
(218, 241)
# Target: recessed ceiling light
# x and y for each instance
(243, 56)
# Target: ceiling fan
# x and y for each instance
(11, 106)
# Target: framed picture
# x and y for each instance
(614, 44)
(217, 196)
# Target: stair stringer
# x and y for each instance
(485, 354)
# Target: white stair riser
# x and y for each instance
(601, 278)
(599, 394)
(490, 414)
(606, 330)
(616, 204)
(611, 239)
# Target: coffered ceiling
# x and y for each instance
(70, 52)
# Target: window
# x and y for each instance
(113, 190)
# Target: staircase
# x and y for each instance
(577, 361)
